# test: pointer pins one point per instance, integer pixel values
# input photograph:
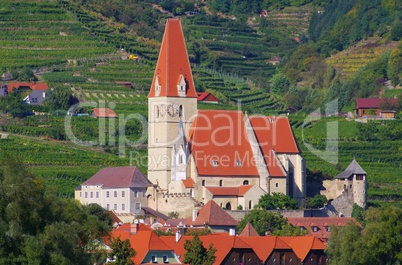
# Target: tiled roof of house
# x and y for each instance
(172, 62)
(373, 103)
(229, 191)
(31, 85)
(142, 242)
(148, 210)
(219, 144)
(104, 113)
(353, 168)
(213, 215)
(249, 230)
(302, 245)
(322, 224)
(264, 245)
(206, 96)
(188, 183)
(119, 177)
(274, 136)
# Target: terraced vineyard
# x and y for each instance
(382, 160)
(348, 62)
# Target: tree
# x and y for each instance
(276, 201)
(379, 243)
(12, 104)
(263, 221)
(122, 251)
(197, 254)
(280, 83)
(317, 201)
(59, 98)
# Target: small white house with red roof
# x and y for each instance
(121, 189)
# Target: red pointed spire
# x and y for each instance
(173, 65)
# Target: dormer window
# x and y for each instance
(315, 228)
(214, 163)
(181, 86)
(157, 86)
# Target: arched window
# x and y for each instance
(203, 183)
(228, 206)
(181, 111)
(220, 183)
(250, 205)
(245, 182)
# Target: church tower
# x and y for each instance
(172, 103)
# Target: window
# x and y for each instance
(165, 259)
(315, 228)
(115, 194)
(203, 183)
(97, 194)
(137, 205)
(123, 207)
(80, 194)
(34, 100)
(86, 194)
(91, 195)
(180, 159)
(214, 163)
(154, 259)
(245, 182)
(123, 193)
(277, 184)
(238, 163)
(220, 183)
(328, 228)
(115, 207)
(359, 177)
(107, 207)
(107, 194)
(250, 205)
(135, 194)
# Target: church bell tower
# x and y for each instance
(172, 103)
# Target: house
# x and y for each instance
(207, 97)
(381, 107)
(103, 113)
(320, 227)
(275, 60)
(36, 92)
(213, 148)
(308, 249)
(122, 189)
(150, 249)
(3, 90)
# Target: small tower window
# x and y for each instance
(157, 86)
(220, 183)
(181, 86)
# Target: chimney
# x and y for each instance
(178, 236)
(182, 229)
(134, 227)
(194, 215)
(232, 232)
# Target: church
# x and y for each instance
(224, 155)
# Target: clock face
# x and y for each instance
(172, 110)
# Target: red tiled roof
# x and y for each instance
(104, 113)
(119, 177)
(274, 135)
(206, 96)
(229, 191)
(373, 103)
(172, 62)
(143, 241)
(31, 85)
(302, 245)
(188, 183)
(248, 230)
(321, 223)
(221, 136)
(213, 215)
